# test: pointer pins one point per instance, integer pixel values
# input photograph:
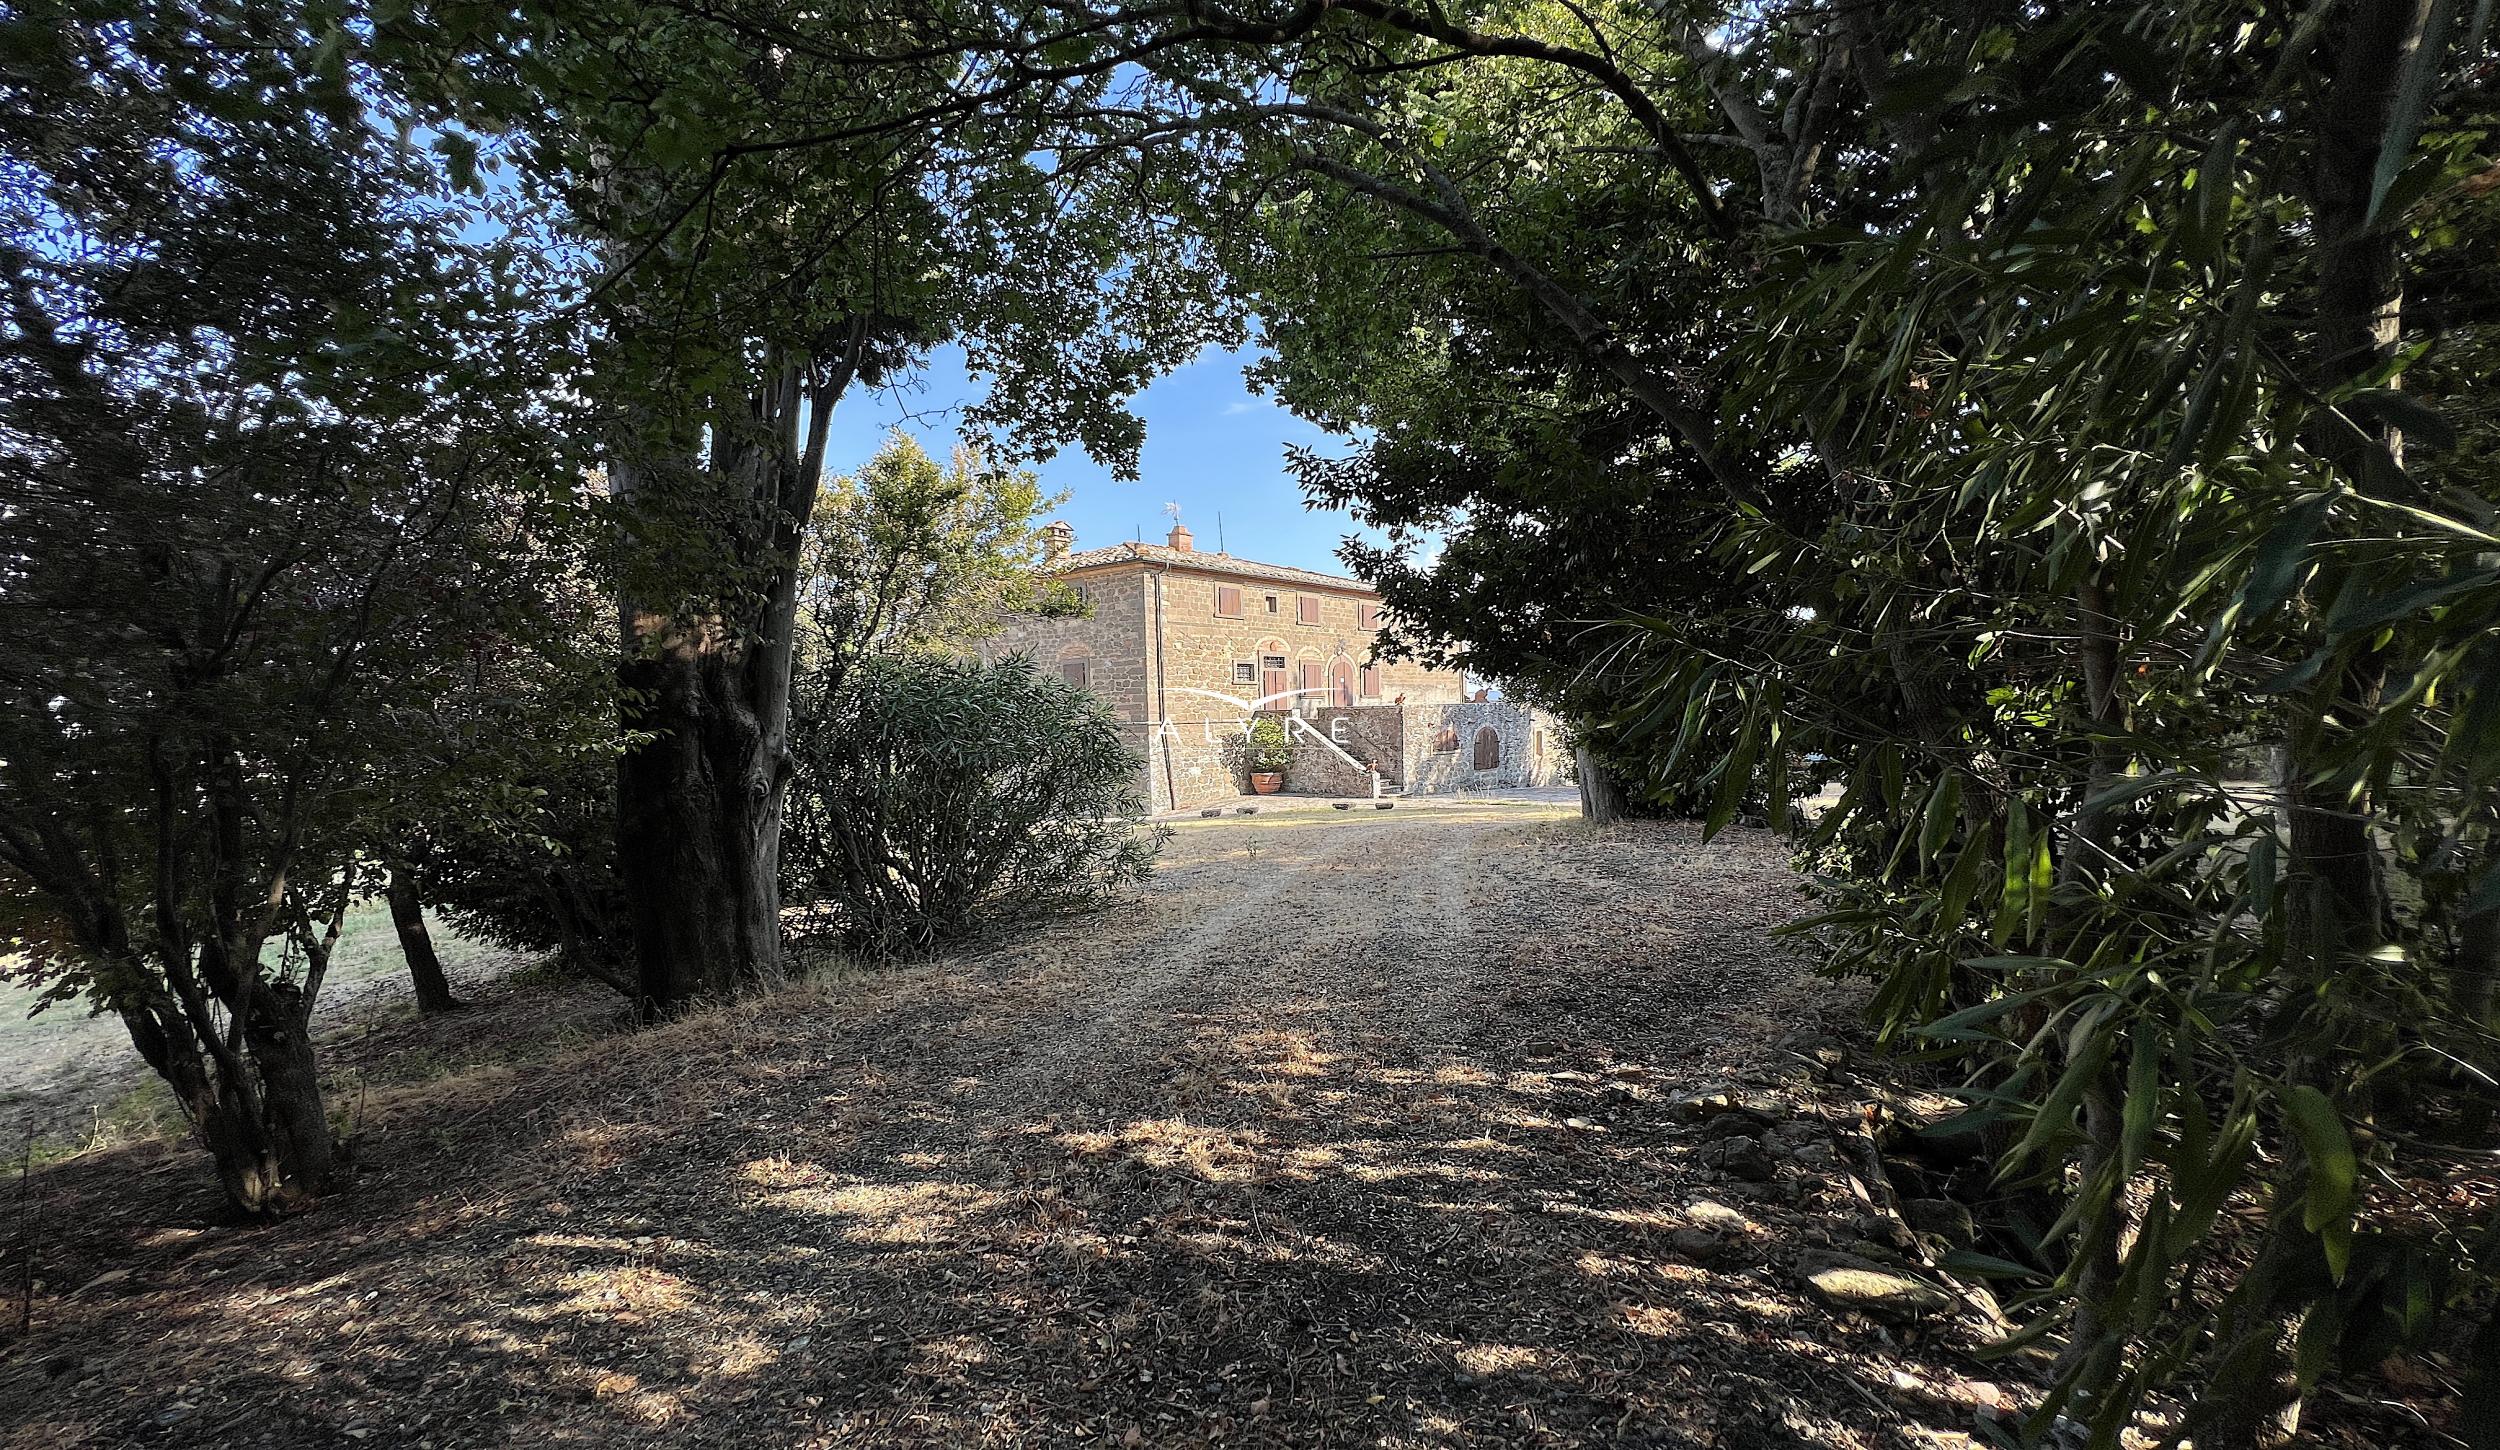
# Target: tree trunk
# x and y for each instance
(2333, 897)
(260, 1115)
(1602, 799)
(425, 970)
(699, 830)
(699, 797)
(2093, 1343)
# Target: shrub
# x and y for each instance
(932, 797)
(1271, 746)
(536, 872)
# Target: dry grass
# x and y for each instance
(1339, 1135)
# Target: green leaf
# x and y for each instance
(2332, 1169)
(2413, 101)
(1944, 806)
(2143, 1109)
(2486, 893)
(2354, 612)
(1960, 883)
(1957, 1027)
(2011, 905)
(2261, 868)
(2282, 560)
(2057, 1110)
(1984, 1266)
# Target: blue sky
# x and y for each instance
(1211, 446)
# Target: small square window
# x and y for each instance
(1271, 604)
(1245, 672)
(1074, 672)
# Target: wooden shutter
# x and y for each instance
(1367, 616)
(1488, 749)
(1306, 608)
(1228, 600)
(1371, 682)
(1073, 671)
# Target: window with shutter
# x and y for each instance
(1073, 671)
(1228, 601)
(1306, 608)
(1371, 682)
(1367, 616)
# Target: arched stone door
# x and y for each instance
(1341, 684)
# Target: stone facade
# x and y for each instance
(1482, 745)
(1184, 646)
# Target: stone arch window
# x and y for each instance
(1075, 668)
(1488, 748)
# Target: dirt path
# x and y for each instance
(1351, 1130)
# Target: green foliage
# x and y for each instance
(536, 872)
(908, 556)
(1269, 746)
(934, 797)
(1990, 430)
(273, 446)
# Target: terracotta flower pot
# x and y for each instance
(1267, 782)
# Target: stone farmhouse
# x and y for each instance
(1187, 646)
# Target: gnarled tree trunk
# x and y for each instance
(257, 1111)
(699, 797)
(699, 825)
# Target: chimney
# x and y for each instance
(1058, 536)
(1178, 539)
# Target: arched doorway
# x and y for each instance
(1488, 748)
(1272, 672)
(1310, 678)
(1341, 683)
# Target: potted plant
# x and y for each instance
(1270, 751)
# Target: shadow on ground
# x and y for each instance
(1347, 1137)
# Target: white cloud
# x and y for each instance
(1235, 410)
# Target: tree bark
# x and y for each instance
(699, 828)
(425, 969)
(2093, 1344)
(264, 1125)
(699, 797)
(1602, 798)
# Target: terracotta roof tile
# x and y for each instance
(1205, 563)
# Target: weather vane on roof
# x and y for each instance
(1172, 511)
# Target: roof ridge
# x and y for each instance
(1127, 550)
